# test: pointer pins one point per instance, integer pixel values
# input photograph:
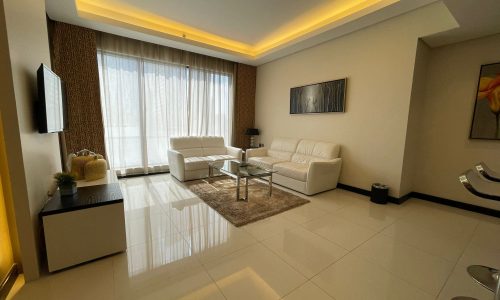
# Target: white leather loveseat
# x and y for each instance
(306, 166)
(188, 157)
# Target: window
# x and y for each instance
(145, 102)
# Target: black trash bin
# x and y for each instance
(379, 193)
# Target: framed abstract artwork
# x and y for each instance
(486, 118)
(319, 97)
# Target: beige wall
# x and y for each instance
(417, 100)
(445, 149)
(378, 62)
(32, 158)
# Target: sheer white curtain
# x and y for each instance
(146, 101)
(210, 105)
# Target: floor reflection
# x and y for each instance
(167, 223)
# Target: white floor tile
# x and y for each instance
(431, 241)
(345, 233)
(447, 221)
(193, 215)
(421, 269)
(308, 291)
(266, 228)
(461, 284)
(332, 201)
(254, 273)
(193, 284)
(89, 281)
(369, 215)
(355, 278)
(305, 251)
(303, 213)
(475, 255)
(487, 235)
(350, 248)
(151, 261)
(216, 240)
(148, 228)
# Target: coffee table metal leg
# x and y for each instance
(270, 185)
(238, 188)
(246, 189)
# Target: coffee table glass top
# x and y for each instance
(240, 169)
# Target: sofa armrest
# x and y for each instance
(235, 152)
(176, 164)
(255, 152)
(323, 175)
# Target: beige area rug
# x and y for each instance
(220, 194)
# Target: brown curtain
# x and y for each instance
(244, 103)
(74, 59)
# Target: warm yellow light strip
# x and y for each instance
(6, 253)
(319, 21)
(149, 23)
(138, 20)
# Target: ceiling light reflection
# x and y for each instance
(135, 19)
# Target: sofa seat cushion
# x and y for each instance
(265, 162)
(196, 163)
(214, 151)
(220, 157)
(293, 170)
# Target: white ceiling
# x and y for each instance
(247, 21)
(476, 18)
(251, 23)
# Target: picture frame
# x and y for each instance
(323, 97)
(486, 116)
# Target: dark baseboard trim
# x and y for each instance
(368, 193)
(401, 199)
(457, 204)
(353, 189)
(439, 200)
(8, 282)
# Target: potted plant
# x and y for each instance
(66, 183)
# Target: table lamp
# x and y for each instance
(252, 132)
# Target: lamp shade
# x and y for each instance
(252, 131)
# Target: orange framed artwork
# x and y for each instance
(486, 118)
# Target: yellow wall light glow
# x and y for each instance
(6, 253)
(135, 19)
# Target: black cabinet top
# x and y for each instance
(85, 197)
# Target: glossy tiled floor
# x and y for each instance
(339, 246)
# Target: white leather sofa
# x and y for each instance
(306, 166)
(188, 157)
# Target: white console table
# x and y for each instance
(86, 226)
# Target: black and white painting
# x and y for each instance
(318, 98)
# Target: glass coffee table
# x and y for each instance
(239, 170)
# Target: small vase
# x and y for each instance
(67, 190)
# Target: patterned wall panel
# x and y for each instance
(74, 59)
(244, 107)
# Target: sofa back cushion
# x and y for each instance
(213, 145)
(309, 150)
(189, 146)
(283, 148)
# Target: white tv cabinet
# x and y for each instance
(84, 227)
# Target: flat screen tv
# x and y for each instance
(51, 106)
(319, 97)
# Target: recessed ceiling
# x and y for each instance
(248, 31)
(476, 18)
(249, 28)
(249, 22)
